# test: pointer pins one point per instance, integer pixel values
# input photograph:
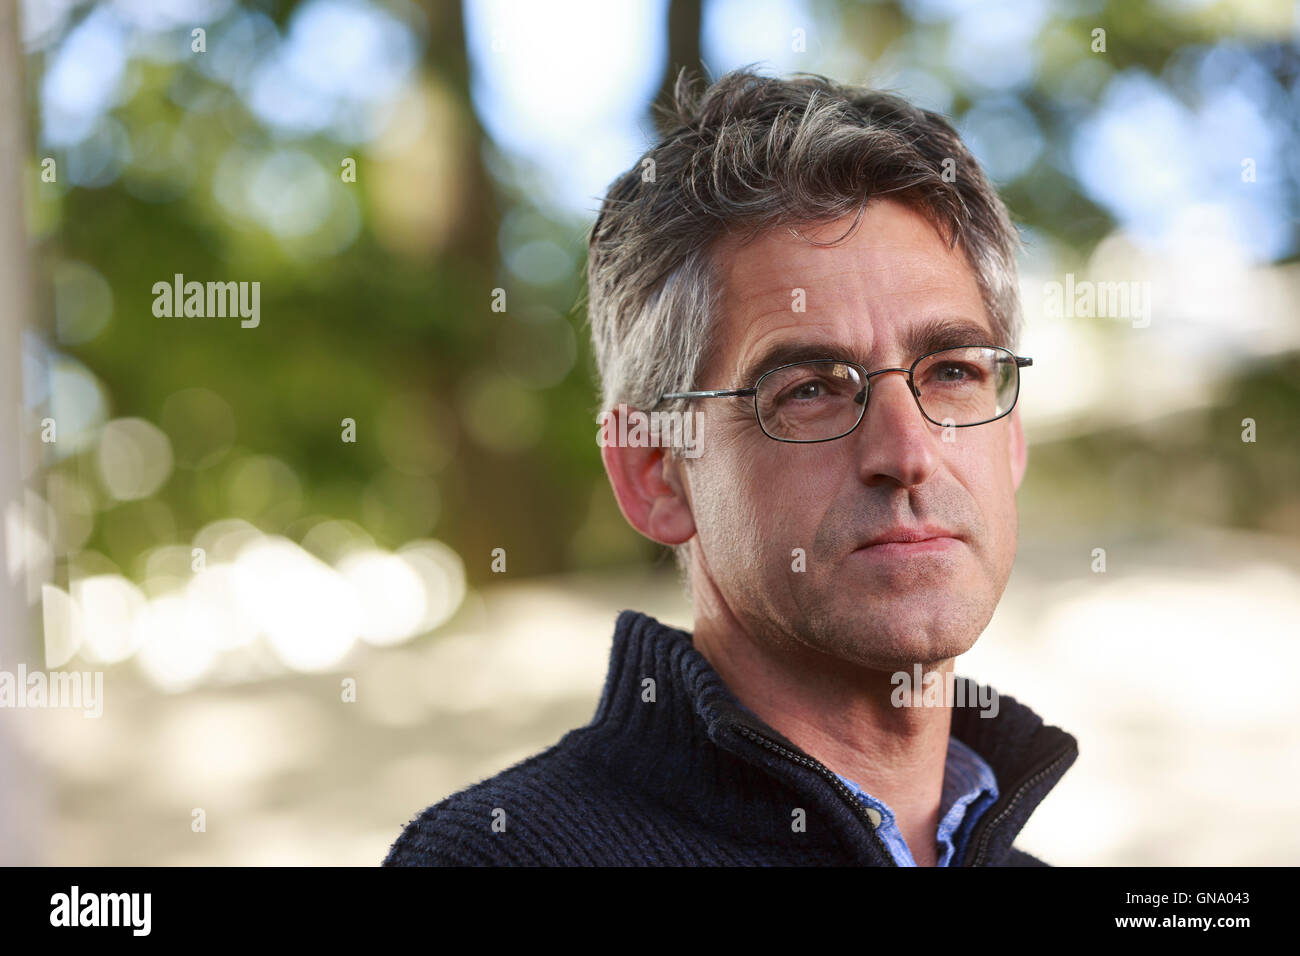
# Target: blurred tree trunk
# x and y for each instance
(685, 20)
(17, 784)
(447, 57)
(495, 499)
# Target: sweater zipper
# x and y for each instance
(858, 806)
(987, 834)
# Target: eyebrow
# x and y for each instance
(923, 338)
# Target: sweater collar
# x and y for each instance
(668, 725)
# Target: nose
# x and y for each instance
(897, 442)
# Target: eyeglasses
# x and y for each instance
(825, 399)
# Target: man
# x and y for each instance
(823, 278)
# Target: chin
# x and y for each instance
(896, 633)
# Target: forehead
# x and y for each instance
(892, 287)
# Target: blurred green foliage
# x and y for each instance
(464, 430)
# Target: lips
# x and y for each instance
(902, 535)
(899, 546)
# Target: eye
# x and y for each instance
(955, 373)
(802, 388)
(948, 372)
(807, 390)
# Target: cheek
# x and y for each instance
(725, 499)
(984, 469)
(755, 503)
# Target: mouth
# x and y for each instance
(908, 542)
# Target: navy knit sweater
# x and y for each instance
(681, 773)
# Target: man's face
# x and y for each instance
(887, 295)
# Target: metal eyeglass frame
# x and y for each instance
(1021, 362)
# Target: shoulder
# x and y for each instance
(535, 813)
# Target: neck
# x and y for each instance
(841, 714)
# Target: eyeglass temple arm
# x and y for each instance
(711, 393)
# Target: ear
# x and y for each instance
(1018, 449)
(648, 484)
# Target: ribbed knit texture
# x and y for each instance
(695, 778)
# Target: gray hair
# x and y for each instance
(749, 153)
